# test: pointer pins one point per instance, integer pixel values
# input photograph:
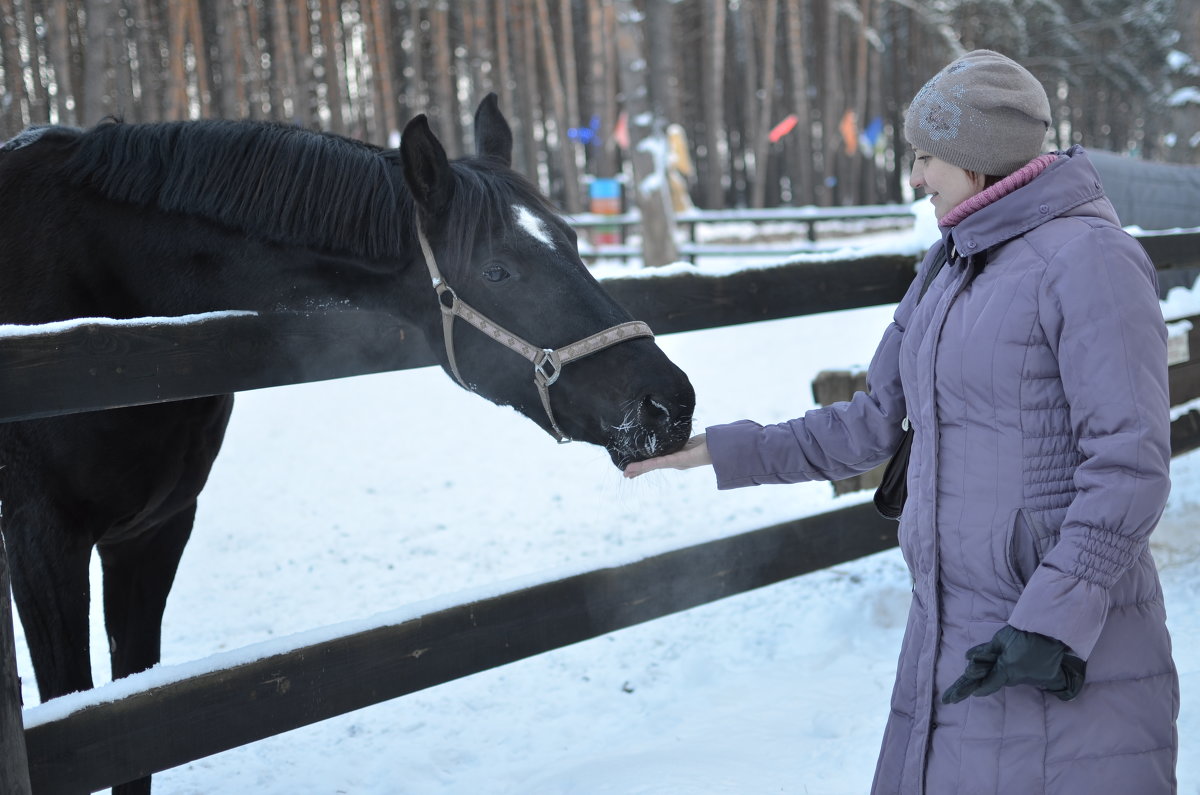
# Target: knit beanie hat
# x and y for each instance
(984, 113)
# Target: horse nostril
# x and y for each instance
(654, 411)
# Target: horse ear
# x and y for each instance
(426, 168)
(493, 137)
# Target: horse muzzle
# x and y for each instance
(653, 425)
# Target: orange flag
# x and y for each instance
(783, 128)
(849, 131)
(621, 132)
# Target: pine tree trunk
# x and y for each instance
(58, 46)
(331, 24)
(566, 158)
(381, 38)
(283, 62)
(148, 36)
(743, 78)
(200, 53)
(476, 26)
(800, 142)
(526, 82)
(12, 102)
(833, 102)
(258, 91)
(712, 82)
(761, 143)
(100, 22)
(39, 100)
(414, 82)
(177, 106)
(650, 189)
(854, 188)
(603, 97)
(444, 110)
(503, 68)
(571, 148)
(302, 38)
(230, 34)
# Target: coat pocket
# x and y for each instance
(1032, 534)
(1023, 552)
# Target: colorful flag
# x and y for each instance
(621, 132)
(849, 130)
(783, 128)
(871, 139)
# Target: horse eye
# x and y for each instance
(495, 273)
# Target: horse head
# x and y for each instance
(516, 315)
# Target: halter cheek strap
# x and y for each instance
(547, 362)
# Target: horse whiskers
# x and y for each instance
(631, 439)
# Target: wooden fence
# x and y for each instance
(96, 365)
(690, 220)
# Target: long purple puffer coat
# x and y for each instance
(1034, 374)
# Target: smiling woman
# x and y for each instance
(1033, 376)
(948, 186)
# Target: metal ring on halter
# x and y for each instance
(547, 356)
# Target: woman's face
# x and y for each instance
(948, 186)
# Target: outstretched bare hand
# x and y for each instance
(693, 454)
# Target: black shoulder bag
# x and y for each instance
(893, 488)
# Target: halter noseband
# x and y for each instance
(547, 362)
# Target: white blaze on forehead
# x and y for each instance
(533, 225)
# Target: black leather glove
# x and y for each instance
(1016, 657)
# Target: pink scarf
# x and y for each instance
(1018, 179)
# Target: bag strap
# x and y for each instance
(934, 270)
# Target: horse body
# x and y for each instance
(134, 220)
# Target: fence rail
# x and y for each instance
(92, 366)
(690, 220)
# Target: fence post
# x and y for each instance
(831, 386)
(14, 764)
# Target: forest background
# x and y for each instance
(781, 102)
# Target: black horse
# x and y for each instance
(130, 220)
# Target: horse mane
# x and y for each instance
(291, 185)
(281, 182)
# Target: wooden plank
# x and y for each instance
(691, 301)
(14, 768)
(1185, 433)
(806, 214)
(167, 726)
(1172, 251)
(94, 366)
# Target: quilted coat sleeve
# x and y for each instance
(829, 443)
(1099, 309)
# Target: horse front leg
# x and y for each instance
(138, 575)
(49, 568)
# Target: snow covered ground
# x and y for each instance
(335, 501)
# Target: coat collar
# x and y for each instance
(1066, 184)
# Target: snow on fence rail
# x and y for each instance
(89, 365)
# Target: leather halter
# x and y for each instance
(547, 362)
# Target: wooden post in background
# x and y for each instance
(648, 157)
(14, 765)
(831, 386)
